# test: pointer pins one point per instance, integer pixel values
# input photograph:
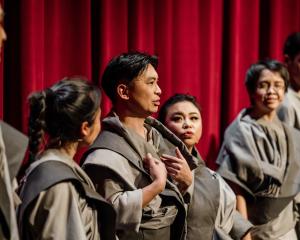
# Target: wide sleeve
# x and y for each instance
(115, 181)
(227, 168)
(128, 204)
(56, 215)
(227, 205)
(241, 226)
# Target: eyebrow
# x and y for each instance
(152, 78)
(181, 113)
(177, 113)
(268, 81)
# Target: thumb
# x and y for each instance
(148, 160)
(149, 156)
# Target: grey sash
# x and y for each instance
(104, 141)
(205, 202)
(237, 165)
(40, 179)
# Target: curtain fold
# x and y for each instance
(204, 49)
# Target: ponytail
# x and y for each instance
(59, 112)
(36, 125)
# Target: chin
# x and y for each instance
(189, 143)
(154, 110)
(150, 113)
(272, 107)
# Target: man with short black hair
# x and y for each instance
(124, 162)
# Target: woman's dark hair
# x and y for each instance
(59, 112)
(162, 114)
(125, 67)
(255, 70)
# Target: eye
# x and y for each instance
(263, 85)
(194, 118)
(176, 119)
(151, 82)
(279, 86)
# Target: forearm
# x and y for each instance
(150, 192)
(128, 204)
(241, 206)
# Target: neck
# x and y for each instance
(269, 116)
(70, 149)
(190, 148)
(132, 121)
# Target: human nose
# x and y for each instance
(3, 34)
(187, 123)
(158, 90)
(272, 89)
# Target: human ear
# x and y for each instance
(122, 91)
(85, 129)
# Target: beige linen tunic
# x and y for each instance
(60, 212)
(260, 157)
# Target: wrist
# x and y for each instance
(184, 185)
(158, 185)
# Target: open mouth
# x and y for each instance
(156, 103)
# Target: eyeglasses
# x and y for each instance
(277, 86)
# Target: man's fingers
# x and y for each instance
(149, 156)
(156, 161)
(149, 160)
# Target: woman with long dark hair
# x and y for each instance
(58, 198)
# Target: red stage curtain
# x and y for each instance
(204, 48)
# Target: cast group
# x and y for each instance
(143, 178)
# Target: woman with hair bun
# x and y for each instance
(211, 212)
(58, 198)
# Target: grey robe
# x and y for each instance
(211, 213)
(60, 212)
(12, 149)
(289, 111)
(118, 174)
(227, 222)
(262, 160)
(204, 206)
